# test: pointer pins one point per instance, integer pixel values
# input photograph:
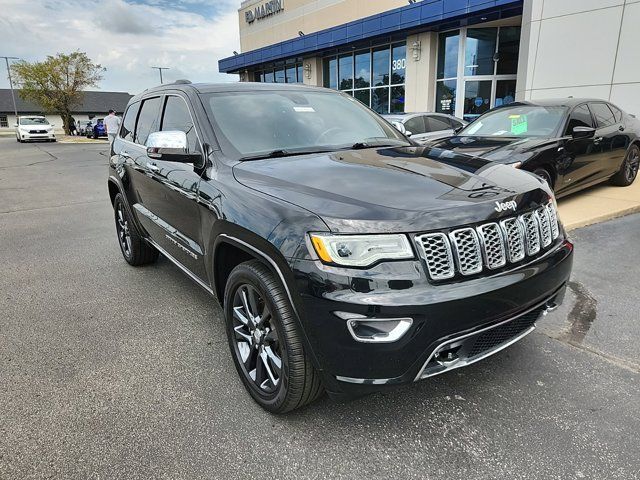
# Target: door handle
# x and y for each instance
(153, 167)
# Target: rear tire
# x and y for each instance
(135, 250)
(629, 169)
(265, 342)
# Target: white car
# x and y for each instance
(34, 128)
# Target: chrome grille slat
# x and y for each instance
(468, 251)
(553, 218)
(493, 245)
(437, 254)
(531, 232)
(545, 226)
(514, 233)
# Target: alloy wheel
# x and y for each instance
(256, 340)
(124, 233)
(633, 162)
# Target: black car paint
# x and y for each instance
(266, 208)
(573, 163)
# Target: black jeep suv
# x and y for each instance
(346, 257)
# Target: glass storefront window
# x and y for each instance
(363, 70)
(356, 74)
(330, 73)
(448, 54)
(345, 72)
(363, 96)
(300, 73)
(291, 74)
(268, 77)
(508, 49)
(279, 76)
(446, 97)
(381, 64)
(397, 99)
(505, 92)
(398, 64)
(380, 100)
(477, 98)
(480, 48)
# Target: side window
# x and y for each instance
(437, 124)
(415, 125)
(176, 117)
(455, 124)
(604, 115)
(617, 113)
(580, 117)
(147, 120)
(129, 123)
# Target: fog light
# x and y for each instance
(376, 330)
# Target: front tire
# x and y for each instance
(629, 169)
(265, 343)
(545, 175)
(135, 250)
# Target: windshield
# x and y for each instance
(517, 121)
(280, 122)
(33, 121)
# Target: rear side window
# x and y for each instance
(129, 122)
(415, 125)
(604, 115)
(580, 117)
(617, 113)
(147, 120)
(437, 124)
(176, 116)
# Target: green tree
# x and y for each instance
(56, 84)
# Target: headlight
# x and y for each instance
(360, 250)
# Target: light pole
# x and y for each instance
(13, 95)
(160, 70)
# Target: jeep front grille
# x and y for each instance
(468, 251)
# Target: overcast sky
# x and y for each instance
(125, 36)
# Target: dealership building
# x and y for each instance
(452, 56)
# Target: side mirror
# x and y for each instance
(583, 132)
(171, 146)
(408, 133)
(400, 127)
(458, 129)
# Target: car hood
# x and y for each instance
(496, 149)
(380, 190)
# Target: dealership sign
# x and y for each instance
(265, 10)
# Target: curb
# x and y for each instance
(603, 218)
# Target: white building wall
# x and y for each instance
(55, 120)
(581, 48)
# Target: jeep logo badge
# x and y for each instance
(504, 206)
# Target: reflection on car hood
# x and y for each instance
(393, 189)
(496, 149)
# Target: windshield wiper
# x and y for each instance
(364, 145)
(283, 153)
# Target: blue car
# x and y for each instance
(97, 130)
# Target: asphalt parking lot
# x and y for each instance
(108, 371)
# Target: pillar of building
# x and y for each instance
(420, 84)
(312, 68)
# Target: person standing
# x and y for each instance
(112, 125)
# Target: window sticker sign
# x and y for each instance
(519, 124)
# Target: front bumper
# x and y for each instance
(494, 310)
(37, 136)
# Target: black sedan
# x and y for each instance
(571, 143)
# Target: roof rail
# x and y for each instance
(183, 82)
